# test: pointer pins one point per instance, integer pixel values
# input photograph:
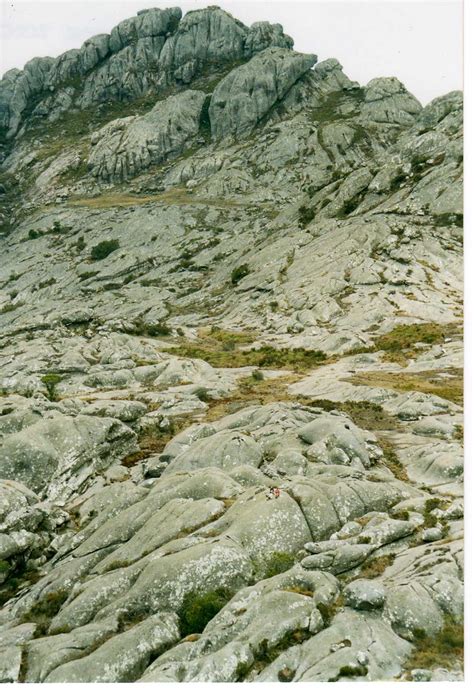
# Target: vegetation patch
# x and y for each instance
(239, 273)
(445, 649)
(10, 307)
(447, 384)
(224, 355)
(141, 328)
(449, 219)
(350, 670)
(276, 563)
(199, 608)
(329, 610)
(338, 105)
(50, 380)
(365, 414)
(305, 216)
(44, 610)
(375, 567)
(154, 439)
(400, 344)
(174, 196)
(104, 249)
(265, 655)
(405, 336)
(252, 391)
(391, 460)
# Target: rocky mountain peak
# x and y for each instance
(150, 52)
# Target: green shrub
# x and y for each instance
(305, 215)
(50, 380)
(199, 608)
(239, 273)
(202, 394)
(432, 503)
(87, 275)
(141, 328)
(329, 610)
(104, 249)
(286, 675)
(47, 283)
(58, 228)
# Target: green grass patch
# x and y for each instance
(405, 336)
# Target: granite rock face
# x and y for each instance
(231, 361)
(127, 146)
(246, 95)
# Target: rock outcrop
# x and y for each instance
(145, 53)
(246, 95)
(128, 146)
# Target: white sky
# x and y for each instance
(418, 41)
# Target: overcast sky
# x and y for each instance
(418, 41)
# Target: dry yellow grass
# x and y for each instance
(253, 392)
(447, 383)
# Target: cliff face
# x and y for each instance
(227, 267)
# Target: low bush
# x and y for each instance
(144, 329)
(104, 249)
(199, 608)
(239, 273)
(50, 380)
(305, 215)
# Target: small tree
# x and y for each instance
(50, 380)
